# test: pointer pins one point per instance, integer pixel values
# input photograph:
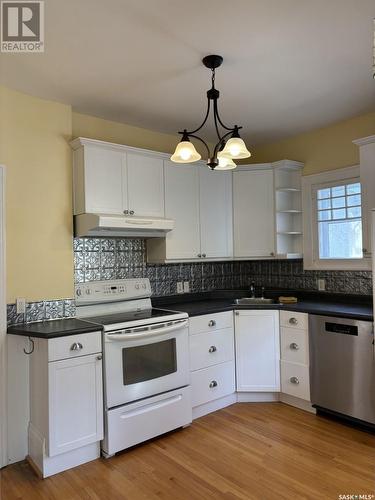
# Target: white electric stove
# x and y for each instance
(146, 361)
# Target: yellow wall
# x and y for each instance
(34, 147)
(324, 149)
(105, 130)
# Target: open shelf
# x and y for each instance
(288, 190)
(291, 211)
(293, 233)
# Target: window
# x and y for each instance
(339, 219)
(334, 221)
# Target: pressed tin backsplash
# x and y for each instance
(118, 258)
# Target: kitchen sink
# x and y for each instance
(248, 301)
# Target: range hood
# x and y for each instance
(107, 225)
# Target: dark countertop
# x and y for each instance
(326, 304)
(54, 328)
(196, 304)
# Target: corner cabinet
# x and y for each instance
(200, 202)
(115, 179)
(257, 350)
(267, 210)
(66, 402)
(253, 212)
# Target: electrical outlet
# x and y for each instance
(321, 285)
(21, 305)
(186, 287)
(180, 287)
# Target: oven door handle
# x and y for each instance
(147, 333)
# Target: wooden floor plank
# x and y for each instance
(247, 451)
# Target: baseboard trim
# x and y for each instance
(218, 404)
(258, 397)
(302, 404)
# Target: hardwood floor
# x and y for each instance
(246, 451)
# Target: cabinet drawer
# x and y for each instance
(295, 380)
(294, 345)
(294, 320)
(207, 349)
(212, 383)
(74, 346)
(211, 322)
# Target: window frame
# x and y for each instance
(310, 185)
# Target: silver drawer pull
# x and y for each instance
(99, 357)
(294, 380)
(212, 384)
(213, 348)
(212, 322)
(77, 346)
(294, 346)
(293, 321)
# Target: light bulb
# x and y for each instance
(185, 153)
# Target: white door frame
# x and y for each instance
(3, 323)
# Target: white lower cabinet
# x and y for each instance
(212, 364)
(66, 402)
(295, 379)
(212, 383)
(257, 351)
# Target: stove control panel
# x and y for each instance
(112, 290)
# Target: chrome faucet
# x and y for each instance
(252, 290)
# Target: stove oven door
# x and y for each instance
(144, 361)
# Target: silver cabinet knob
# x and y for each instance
(213, 348)
(237, 313)
(199, 255)
(99, 358)
(212, 384)
(294, 380)
(126, 212)
(131, 212)
(203, 255)
(77, 346)
(293, 321)
(294, 346)
(272, 254)
(212, 322)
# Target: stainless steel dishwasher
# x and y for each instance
(342, 366)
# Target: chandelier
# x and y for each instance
(229, 147)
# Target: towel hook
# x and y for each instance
(32, 347)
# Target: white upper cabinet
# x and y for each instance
(367, 174)
(253, 213)
(200, 202)
(116, 179)
(257, 351)
(182, 205)
(216, 214)
(100, 181)
(145, 185)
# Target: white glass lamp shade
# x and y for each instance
(235, 148)
(185, 153)
(225, 163)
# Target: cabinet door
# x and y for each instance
(253, 202)
(75, 403)
(145, 185)
(216, 213)
(182, 205)
(105, 180)
(257, 351)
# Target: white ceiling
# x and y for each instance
(289, 65)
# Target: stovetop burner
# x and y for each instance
(109, 319)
